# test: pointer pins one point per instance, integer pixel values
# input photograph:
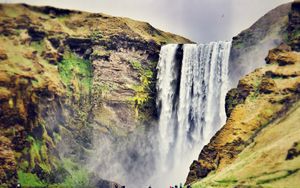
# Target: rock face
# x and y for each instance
(252, 45)
(294, 26)
(57, 68)
(258, 145)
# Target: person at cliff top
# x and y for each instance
(180, 186)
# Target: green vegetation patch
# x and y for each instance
(275, 176)
(38, 153)
(30, 180)
(78, 176)
(76, 73)
(136, 65)
(144, 89)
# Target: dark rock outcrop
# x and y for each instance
(8, 166)
(293, 152)
(294, 26)
(51, 10)
(79, 45)
(36, 34)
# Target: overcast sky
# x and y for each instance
(198, 20)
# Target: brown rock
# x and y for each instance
(282, 57)
(3, 55)
(267, 86)
(8, 171)
(293, 152)
(36, 34)
(30, 55)
(52, 57)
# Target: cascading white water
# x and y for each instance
(191, 102)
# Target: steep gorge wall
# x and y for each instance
(66, 76)
(264, 102)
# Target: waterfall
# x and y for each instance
(191, 101)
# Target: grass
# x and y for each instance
(34, 150)
(78, 175)
(30, 180)
(277, 176)
(39, 46)
(262, 163)
(96, 35)
(38, 151)
(77, 178)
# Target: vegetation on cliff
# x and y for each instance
(57, 67)
(258, 145)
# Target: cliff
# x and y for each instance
(259, 144)
(251, 46)
(64, 76)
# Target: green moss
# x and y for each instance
(38, 151)
(143, 90)
(136, 65)
(96, 35)
(30, 180)
(101, 53)
(78, 175)
(76, 73)
(240, 45)
(24, 165)
(34, 151)
(104, 88)
(57, 137)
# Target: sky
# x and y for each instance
(201, 21)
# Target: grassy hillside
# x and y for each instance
(270, 160)
(259, 144)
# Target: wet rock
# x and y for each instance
(107, 184)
